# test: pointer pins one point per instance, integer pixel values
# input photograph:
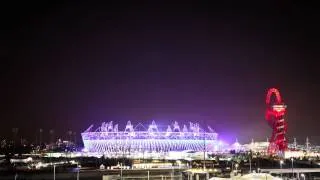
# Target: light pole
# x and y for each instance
(78, 172)
(121, 171)
(281, 162)
(250, 164)
(172, 173)
(236, 165)
(292, 167)
(54, 172)
(204, 149)
(232, 166)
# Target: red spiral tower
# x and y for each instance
(275, 113)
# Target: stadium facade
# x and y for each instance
(108, 139)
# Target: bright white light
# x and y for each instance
(281, 161)
(279, 108)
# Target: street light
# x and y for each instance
(281, 162)
(303, 176)
(236, 165)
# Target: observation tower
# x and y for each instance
(275, 116)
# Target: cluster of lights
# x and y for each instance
(108, 139)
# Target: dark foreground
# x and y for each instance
(96, 174)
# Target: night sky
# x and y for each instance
(67, 66)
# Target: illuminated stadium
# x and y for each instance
(108, 139)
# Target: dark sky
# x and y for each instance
(67, 66)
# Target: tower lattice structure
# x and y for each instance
(275, 116)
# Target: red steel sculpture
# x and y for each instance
(275, 113)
